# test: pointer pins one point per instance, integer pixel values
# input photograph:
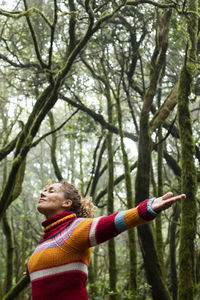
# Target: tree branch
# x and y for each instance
(135, 3)
(26, 13)
(53, 131)
(12, 63)
(8, 148)
(53, 27)
(35, 41)
(164, 111)
(116, 181)
(53, 148)
(99, 118)
(72, 25)
(20, 285)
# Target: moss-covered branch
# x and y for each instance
(159, 5)
(26, 13)
(53, 148)
(44, 103)
(53, 28)
(165, 110)
(35, 40)
(15, 290)
(99, 118)
(72, 25)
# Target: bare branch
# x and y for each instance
(20, 65)
(99, 118)
(53, 131)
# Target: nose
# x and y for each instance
(42, 194)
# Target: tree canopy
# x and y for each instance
(105, 95)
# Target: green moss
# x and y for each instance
(189, 185)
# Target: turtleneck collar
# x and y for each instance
(57, 219)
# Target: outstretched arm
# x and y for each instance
(91, 232)
(165, 201)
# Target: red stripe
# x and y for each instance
(143, 211)
(106, 229)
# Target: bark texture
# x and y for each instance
(186, 282)
(151, 262)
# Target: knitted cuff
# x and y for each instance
(153, 212)
(145, 211)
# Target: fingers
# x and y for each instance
(158, 204)
(167, 196)
(175, 198)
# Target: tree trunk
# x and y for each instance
(129, 197)
(81, 161)
(159, 238)
(110, 206)
(172, 254)
(46, 100)
(9, 253)
(186, 282)
(151, 262)
(188, 207)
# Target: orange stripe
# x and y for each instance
(132, 218)
(58, 221)
(53, 257)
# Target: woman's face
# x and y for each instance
(52, 200)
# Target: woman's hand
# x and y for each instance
(165, 201)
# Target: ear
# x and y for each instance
(67, 203)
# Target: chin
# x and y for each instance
(41, 209)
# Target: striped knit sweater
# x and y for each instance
(58, 267)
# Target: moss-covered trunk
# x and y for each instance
(110, 203)
(9, 253)
(173, 252)
(129, 197)
(47, 99)
(151, 262)
(188, 207)
(159, 238)
(186, 281)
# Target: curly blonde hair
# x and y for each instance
(82, 207)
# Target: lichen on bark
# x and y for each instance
(186, 282)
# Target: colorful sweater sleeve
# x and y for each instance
(91, 232)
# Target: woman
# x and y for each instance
(58, 267)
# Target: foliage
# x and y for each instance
(67, 57)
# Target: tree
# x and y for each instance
(189, 179)
(61, 62)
